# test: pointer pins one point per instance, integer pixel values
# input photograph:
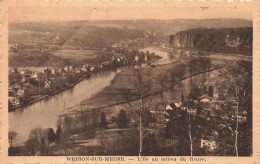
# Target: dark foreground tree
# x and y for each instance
(58, 134)
(51, 135)
(237, 108)
(103, 122)
(11, 137)
(150, 147)
(122, 119)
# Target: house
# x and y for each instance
(14, 70)
(192, 111)
(11, 92)
(136, 58)
(188, 53)
(78, 71)
(35, 76)
(71, 68)
(16, 87)
(46, 70)
(66, 68)
(84, 68)
(23, 80)
(14, 101)
(47, 84)
(53, 71)
(205, 100)
(92, 68)
(22, 72)
(170, 106)
(60, 70)
(20, 93)
(26, 85)
(10, 89)
(145, 57)
(208, 144)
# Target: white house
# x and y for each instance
(136, 58)
(35, 76)
(78, 70)
(14, 101)
(71, 68)
(170, 106)
(92, 68)
(145, 57)
(209, 144)
(53, 71)
(205, 100)
(20, 93)
(47, 84)
(66, 68)
(192, 111)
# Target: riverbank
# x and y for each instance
(113, 94)
(88, 74)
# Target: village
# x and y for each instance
(27, 85)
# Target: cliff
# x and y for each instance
(225, 40)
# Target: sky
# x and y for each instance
(32, 14)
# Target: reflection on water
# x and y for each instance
(186, 85)
(165, 55)
(44, 113)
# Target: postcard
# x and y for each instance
(129, 82)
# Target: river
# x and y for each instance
(44, 112)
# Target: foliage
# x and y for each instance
(214, 40)
(51, 135)
(11, 137)
(122, 119)
(195, 93)
(103, 122)
(151, 147)
(58, 133)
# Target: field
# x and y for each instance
(74, 54)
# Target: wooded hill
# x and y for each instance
(224, 40)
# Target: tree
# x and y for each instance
(44, 148)
(211, 91)
(11, 137)
(65, 142)
(122, 119)
(195, 93)
(151, 147)
(237, 92)
(138, 100)
(103, 122)
(32, 145)
(177, 129)
(58, 134)
(51, 135)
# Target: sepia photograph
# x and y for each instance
(130, 81)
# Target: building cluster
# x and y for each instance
(49, 78)
(203, 111)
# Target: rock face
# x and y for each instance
(225, 40)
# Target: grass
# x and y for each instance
(74, 54)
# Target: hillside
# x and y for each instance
(226, 40)
(70, 35)
(162, 27)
